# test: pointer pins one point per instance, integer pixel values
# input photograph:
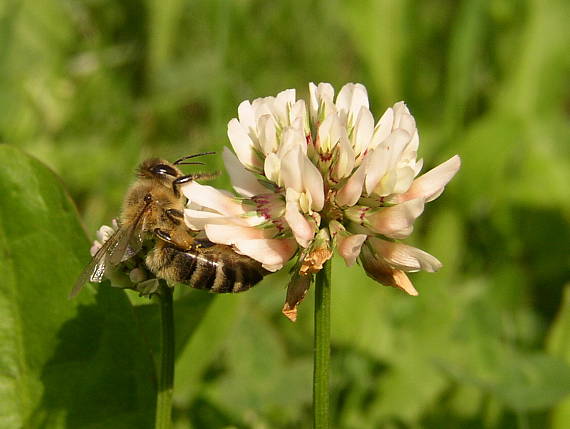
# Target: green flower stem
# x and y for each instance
(322, 348)
(166, 377)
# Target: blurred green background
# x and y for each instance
(93, 87)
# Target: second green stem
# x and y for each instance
(163, 418)
(321, 362)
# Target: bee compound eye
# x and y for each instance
(147, 198)
(163, 235)
(163, 169)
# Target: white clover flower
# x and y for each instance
(312, 179)
(103, 234)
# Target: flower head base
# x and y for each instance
(312, 178)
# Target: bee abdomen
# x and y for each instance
(214, 271)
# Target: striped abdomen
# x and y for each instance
(216, 268)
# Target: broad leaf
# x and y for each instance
(559, 346)
(188, 313)
(523, 382)
(63, 364)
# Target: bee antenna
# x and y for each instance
(178, 161)
(190, 163)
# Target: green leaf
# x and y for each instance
(76, 364)
(188, 313)
(559, 336)
(464, 55)
(407, 389)
(378, 30)
(559, 345)
(260, 380)
(522, 381)
(538, 78)
(201, 349)
(490, 145)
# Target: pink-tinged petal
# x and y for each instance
(313, 183)
(396, 221)
(379, 162)
(350, 99)
(403, 119)
(282, 103)
(349, 194)
(408, 123)
(412, 148)
(301, 175)
(431, 184)
(293, 138)
(246, 116)
(104, 233)
(244, 182)
(291, 166)
(298, 112)
(363, 130)
(262, 106)
(313, 100)
(383, 128)
(301, 227)
(286, 97)
(344, 163)
(198, 219)
(95, 248)
(243, 145)
(378, 270)
(267, 134)
(230, 234)
(418, 167)
(322, 93)
(329, 133)
(384, 158)
(403, 257)
(212, 198)
(404, 176)
(400, 113)
(273, 253)
(349, 247)
(272, 169)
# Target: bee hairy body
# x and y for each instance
(153, 209)
(213, 267)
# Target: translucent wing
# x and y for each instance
(130, 242)
(95, 270)
(122, 245)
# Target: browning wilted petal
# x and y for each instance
(386, 275)
(296, 291)
(316, 255)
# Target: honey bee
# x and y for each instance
(153, 209)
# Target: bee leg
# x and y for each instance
(175, 216)
(185, 179)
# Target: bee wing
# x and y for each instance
(95, 270)
(122, 245)
(130, 242)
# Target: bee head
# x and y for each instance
(158, 169)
